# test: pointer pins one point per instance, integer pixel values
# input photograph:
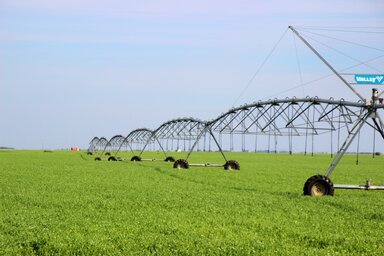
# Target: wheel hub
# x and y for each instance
(318, 189)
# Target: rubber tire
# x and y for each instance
(169, 159)
(97, 159)
(232, 165)
(318, 185)
(136, 158)
(107, 153)
(112, 158)
(181, 164)
(89, 153)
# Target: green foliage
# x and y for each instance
(66, 203)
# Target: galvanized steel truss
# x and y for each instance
(175, 129)
(289, 117)
(138, 136)
(113, 144)
(93, 144)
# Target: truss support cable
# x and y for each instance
(338, 134)
(209, 145)
(298, 62)
(205, 140)
(243, 142)
(269, 142)
(344, 54)
(185, 148)
(358, 149)
(345, 41)
(326, 63)
(306, 132)
(198, 145)
(332, 136)
(290, 133)
(275, 139)
(256, 140)
(260, 67)
(323, 77)
(374, 144)
(313, 133)
(273, 112)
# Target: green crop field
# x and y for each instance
(65, 203)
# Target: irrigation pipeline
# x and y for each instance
(278, 117)
(294, 117)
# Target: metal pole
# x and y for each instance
(118, 150)
(379, 128)
(203, 132)
(129, 145)
(351, 136)
(146, 144)
(218, 145)
(165, 154)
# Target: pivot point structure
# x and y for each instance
(366, 114)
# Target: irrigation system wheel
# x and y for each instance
(112, 158)
(232, 165)
(97, 159)
(169, 159)
(136, 158)
(181, 164)
(107, 153)
(318, 185)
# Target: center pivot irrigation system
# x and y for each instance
(289, 117)
(319, 185)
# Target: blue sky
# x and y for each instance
(71, 70)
